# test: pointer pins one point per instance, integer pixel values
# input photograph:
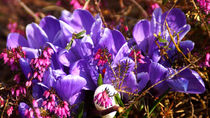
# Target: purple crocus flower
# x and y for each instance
(143, 34)
(90, 55)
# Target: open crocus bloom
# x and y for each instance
(188, 80)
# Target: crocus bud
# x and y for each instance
(104, 99)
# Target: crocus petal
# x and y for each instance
(175, 19)
(35, 35)
(22, 107)
(25, 66)
(156, 21)
(180, 84)
(48, 78)
(38, 90)
(157, 72)
(130, 82)
(113, 40)
(77, 98)
(187, 46)
(141, 33)
(31, 53)
(69, 86)
(183, 31)
(123, 52)
(14, 40)
(143, 79)
(81, 68)
(195, 82)
(63, 37)
(64, 57)
(51, 26)
(96, 29)
(79, 20)
(125, 61)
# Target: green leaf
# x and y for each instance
(80, 110)
(80, 34)
(162, 40)
(68, 47)
(118, 100)
(100, 80)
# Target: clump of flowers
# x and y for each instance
(41, 64)
(64, 59)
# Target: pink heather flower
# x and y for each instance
(62, 110)
(152, 7)
(13, 27)
(9, 111)
(207, 60)
(1, 102)
(41, 63)
(137, 55)
(11, 57)
(35, 104)
(17, 78)
(13, 91)
(102, 56)
(28, 83)
(75, 4)
(17, 92)
(58, 3)
(205, 5)
(46, 94)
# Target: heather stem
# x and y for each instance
(86, 4)
(29, 11)
(5, 106)
(144, 13)
(100, 13)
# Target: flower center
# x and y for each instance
(102, 56)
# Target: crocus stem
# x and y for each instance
(29, 11)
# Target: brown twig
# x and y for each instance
(86, 4)
(5, 106)
(100, 13)
(143, 12)
(29, 11)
